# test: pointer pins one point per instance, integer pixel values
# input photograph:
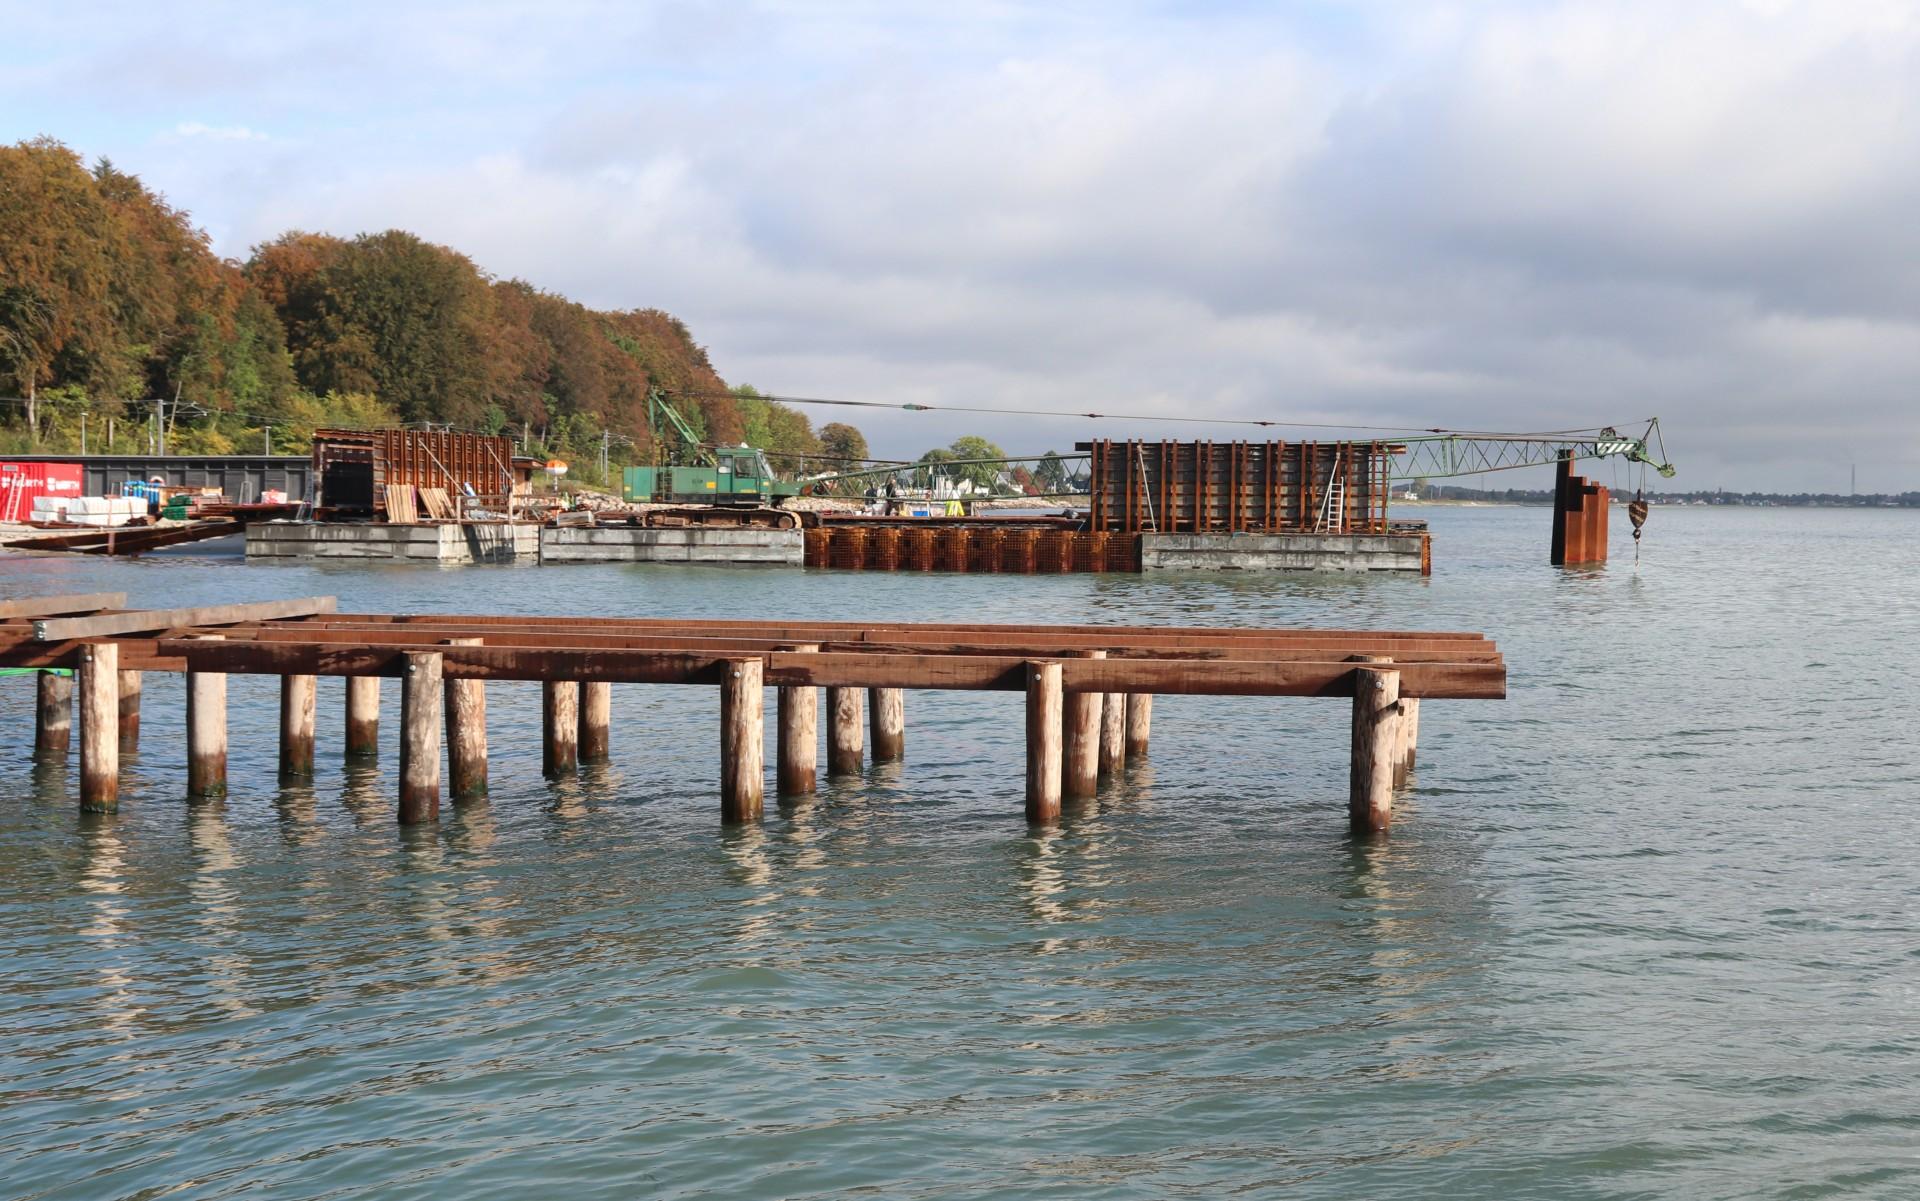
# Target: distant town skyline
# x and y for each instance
(1509, 216)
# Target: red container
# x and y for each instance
(22, 483)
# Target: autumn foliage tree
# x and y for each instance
(111, 299)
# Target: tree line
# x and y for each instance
(114, 310)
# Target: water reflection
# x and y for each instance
(297, 805)
(216, 909)
(103, 878)
(756, 917)
(364, 794)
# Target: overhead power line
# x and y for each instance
(911, 407)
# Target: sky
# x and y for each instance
(1498, 216)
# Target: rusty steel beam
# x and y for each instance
(1030, 646)
(782, 628)
(1451, 680)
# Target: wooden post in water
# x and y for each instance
(596, 721)
(1403, 741)
(798, 752)
(887, 711)
(1410, 723)
(1139, 723)
(420, 721)
(363, 717)
(296, 726)
(843, 731)
(1376, 741)
(466, 704)
(53, 724)
(1083, 718)
(560, 748)
(129, 710)
(1113, 734)
(742, 741)
(1045, 728)
(206, 731)
(99, 688)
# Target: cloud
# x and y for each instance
(217, 133)
(1507, 215)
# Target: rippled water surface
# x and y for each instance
(1648, 928)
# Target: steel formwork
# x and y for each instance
(1240, 487)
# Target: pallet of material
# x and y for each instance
(400, 510)
(439, 504)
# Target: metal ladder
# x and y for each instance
(1146, 489)
(1333, 509)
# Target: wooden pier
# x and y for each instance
(1088, 688)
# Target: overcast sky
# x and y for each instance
(1487, 216)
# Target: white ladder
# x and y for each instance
(1146, 486)
(1333, 509)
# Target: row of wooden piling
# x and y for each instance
(1104, 731)
(1089, 710)
(1075, 741)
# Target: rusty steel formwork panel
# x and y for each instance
(1240, 487)
(355, 467)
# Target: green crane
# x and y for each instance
(1439, 455)
(691, 472)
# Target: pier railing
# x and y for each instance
(1088, 689)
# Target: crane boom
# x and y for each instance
(1442, 455)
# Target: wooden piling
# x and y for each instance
(420, 721)
(1139, 723)
(1376, 739)
(596, 721)
(296, 726)
(1045, 732)
(206, 731)
(98, 684)
(560, 748)
(1083, 715)
(887, 710)
(1410, 723)
(843, 731)
(130, 685)
(798, 751)
(742, 741)
(53, 724)
(466, 705)
(1113, 734)
(363, 717)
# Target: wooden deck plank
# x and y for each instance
(140, 621)
(56, 606)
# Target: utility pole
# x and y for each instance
(605, 440)
(83, 433)
(266, 439)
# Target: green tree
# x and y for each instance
(1051, 473)
(983, 475)
(404, 319)
(932, 466)
(842, 441)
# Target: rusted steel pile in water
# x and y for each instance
(1088, 689)
(985, 547)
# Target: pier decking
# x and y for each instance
(1088, 688)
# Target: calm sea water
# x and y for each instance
(1648, 928)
